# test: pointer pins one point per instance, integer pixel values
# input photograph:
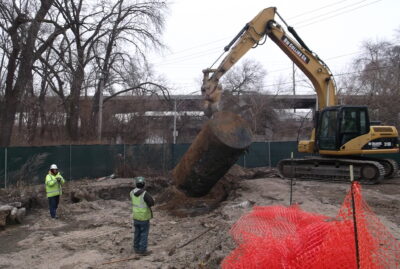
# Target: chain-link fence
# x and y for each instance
(31, 164)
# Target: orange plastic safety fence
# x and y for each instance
(287, 237)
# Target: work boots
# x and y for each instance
(145, 253)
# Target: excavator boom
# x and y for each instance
(263, 26)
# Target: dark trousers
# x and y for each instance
(140, 235)
(53, 205)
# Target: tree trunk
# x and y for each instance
(8, 110)
(104, 69)
(73, 106)
(33, 118)
(10, 100)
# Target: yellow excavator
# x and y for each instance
(342, 135)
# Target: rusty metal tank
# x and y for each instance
(216, 148)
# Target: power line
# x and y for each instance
(224, 39)
(338, 14)
(306, 80)
(317, 9)
(365, 70)
(335, 75)
(330, 12)
(336, 57)
(189, 57)
(213, 50)
(299, 15)
(313, 21)
(200, 45)
(327, 59)
(331, 58)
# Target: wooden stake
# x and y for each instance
(291, 181)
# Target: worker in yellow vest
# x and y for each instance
(141, 214)
(53, 182)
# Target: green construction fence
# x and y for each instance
(30, 164)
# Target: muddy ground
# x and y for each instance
(94, 230)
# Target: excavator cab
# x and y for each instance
(338, 125)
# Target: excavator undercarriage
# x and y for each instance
(366, 170)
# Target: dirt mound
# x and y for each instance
(179, 204)
(252, 173)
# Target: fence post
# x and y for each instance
(172, 162)
(291, 180)
(353, 205)
(70, 162)
(163, 157)
(269, 154)
(5, 168)
(124, 171)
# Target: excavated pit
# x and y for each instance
(168, 197)
(113, 189)
(33, 197)
(179, 204)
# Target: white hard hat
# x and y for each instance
(53, 166)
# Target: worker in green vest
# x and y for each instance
(141, 214)
(53, 182)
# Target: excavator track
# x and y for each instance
(391, 167)
(332, 169)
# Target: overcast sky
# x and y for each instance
(197, 30)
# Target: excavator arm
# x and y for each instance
(260, 27)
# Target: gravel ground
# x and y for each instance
(98, 234)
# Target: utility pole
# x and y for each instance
(100, 125)
(5, 167)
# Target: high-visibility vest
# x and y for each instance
(53, 188)
(140, 210)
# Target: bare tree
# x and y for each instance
(23, 50)
(91, 50)
(4, 49)
(243, 93)
(248, 76)
(377, 80)
(71, 46)
(135, 26)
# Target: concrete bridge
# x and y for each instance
(126, 104)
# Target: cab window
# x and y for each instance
(327, 130)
